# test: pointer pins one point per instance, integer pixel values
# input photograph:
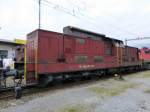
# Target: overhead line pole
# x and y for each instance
(39, 14)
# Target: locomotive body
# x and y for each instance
(76, 52)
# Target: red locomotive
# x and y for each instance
(75, 53)
(145, 57)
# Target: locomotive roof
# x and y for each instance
(91, 33)
(131, 47)
(81, 30)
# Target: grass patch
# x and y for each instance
(73, 108)
(145, 74)
(103, 91)
(147, 91)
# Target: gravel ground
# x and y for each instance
(129, 95)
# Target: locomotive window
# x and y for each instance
(81, 59)
(108, 48)
(108, 51)
(3, 54)
(98, 59)
(81, 41)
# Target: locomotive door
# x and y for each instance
(30, 62)
(119, 53)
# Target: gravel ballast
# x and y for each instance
(129, 95)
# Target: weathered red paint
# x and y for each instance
(51, 52)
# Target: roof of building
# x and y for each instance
(11, 42)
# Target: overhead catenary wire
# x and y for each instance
(114, 26)
(109, 24)
(134, 39)
(75, 16)
(78, 15)
(58, 8)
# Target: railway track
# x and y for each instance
(57, 85)
(10, 92)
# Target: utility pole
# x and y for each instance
(126, 42)
(39, 14)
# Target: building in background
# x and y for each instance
(8, 52)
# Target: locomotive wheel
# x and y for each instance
(45, 80)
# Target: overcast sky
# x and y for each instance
(115, 18)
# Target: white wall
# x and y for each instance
(10, 49)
